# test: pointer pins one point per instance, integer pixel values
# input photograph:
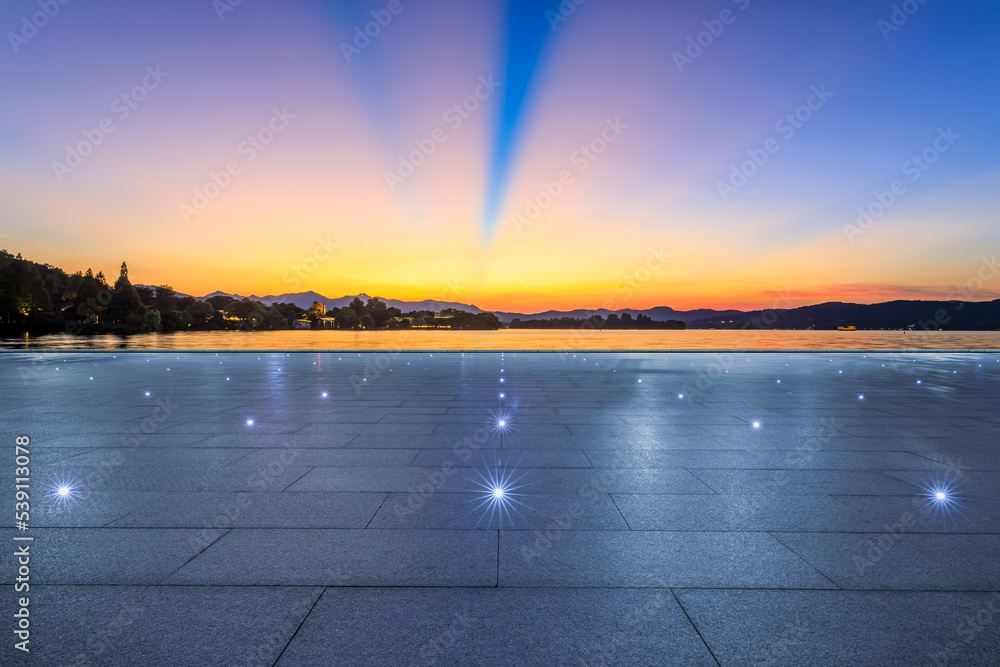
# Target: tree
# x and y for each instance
(126, 305)
(220, 301)
(91, 297)
(176, 320)
(380, 317)
(165, 299)
(151, 320)
(367, 322)
(202, 313)
(146, 295)
(358, 306)
(347, 318)
(289, 311)
(250, 313)
(274, 320)
(186, 302)
(21, 288)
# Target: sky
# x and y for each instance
(515, 155)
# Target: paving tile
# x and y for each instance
(899, 560)
(652, 558)
(497, 627)
(794, 628)
(522, 458)
(673, 458)
(740, 513)
(255, 510)
(121, 626)
(234, 477)
(970, 482)
(140, 556)
(319, 429)
(82, 508)
(339, 457)
(923, 514)
(291, 441)
(276, 557)
(522, 510)
(802, 482)
(806, 459)
(160, 456)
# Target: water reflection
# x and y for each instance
(703, 339)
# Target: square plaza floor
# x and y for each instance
(505, 508)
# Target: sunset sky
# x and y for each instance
(651, 214)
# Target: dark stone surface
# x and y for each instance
(191, 537)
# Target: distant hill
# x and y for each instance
(659, 314)
(954, 315)
(306, 300)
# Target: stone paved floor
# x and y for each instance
(657, 509)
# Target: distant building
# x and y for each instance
(319, 308)
(302, 324)
(327, 323)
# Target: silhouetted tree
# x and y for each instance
(125, 310)
(220, 301)
(165, 299)
(347, 318)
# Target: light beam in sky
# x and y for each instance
(528, 31)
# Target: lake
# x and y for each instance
(695, 339)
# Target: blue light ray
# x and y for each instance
(528, 31)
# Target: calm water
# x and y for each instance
(520, 340)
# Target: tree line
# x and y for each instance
(41, 298)
(375, 314)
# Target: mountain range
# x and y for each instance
(970, 315)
